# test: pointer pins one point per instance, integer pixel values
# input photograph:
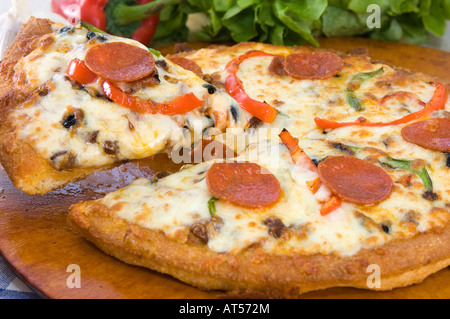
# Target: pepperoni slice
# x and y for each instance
(313, 65)
(119, 62)
(187, 64)
(244, 184)
(433, 134)
(355, 180)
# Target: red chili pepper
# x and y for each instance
(262, 111)
(437, 102)
(92, 11)
(145, 32)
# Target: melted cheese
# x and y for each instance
(299, 101)
(181, 200)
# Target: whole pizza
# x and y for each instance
(305, 168)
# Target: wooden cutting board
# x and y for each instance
(39, 245)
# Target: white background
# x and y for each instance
(36, 5)
(44, 6)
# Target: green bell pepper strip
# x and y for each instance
(408, 165)
(359, 78)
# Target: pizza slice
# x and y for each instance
(275, 222)
(76, 100)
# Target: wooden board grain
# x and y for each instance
(37, 242)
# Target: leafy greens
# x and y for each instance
(294, 22)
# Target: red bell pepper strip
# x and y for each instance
(330, 205)
(182, 104)
(298, 155)
(437, 102)
(79, 71)
(145, 32)
(300, 158)
(261, 110)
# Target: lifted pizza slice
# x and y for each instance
(75, 101)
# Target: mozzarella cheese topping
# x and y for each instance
(180, 200)
(300, 101)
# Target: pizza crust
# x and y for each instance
(33, 174)
(253, 272)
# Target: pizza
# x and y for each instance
(76, 101)
(326, 164)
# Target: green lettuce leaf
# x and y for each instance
(292, 14)
(340, 22)
(434, 19)
(294, 22)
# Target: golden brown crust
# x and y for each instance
(254, 272)
(30, 172)
(23, 44)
